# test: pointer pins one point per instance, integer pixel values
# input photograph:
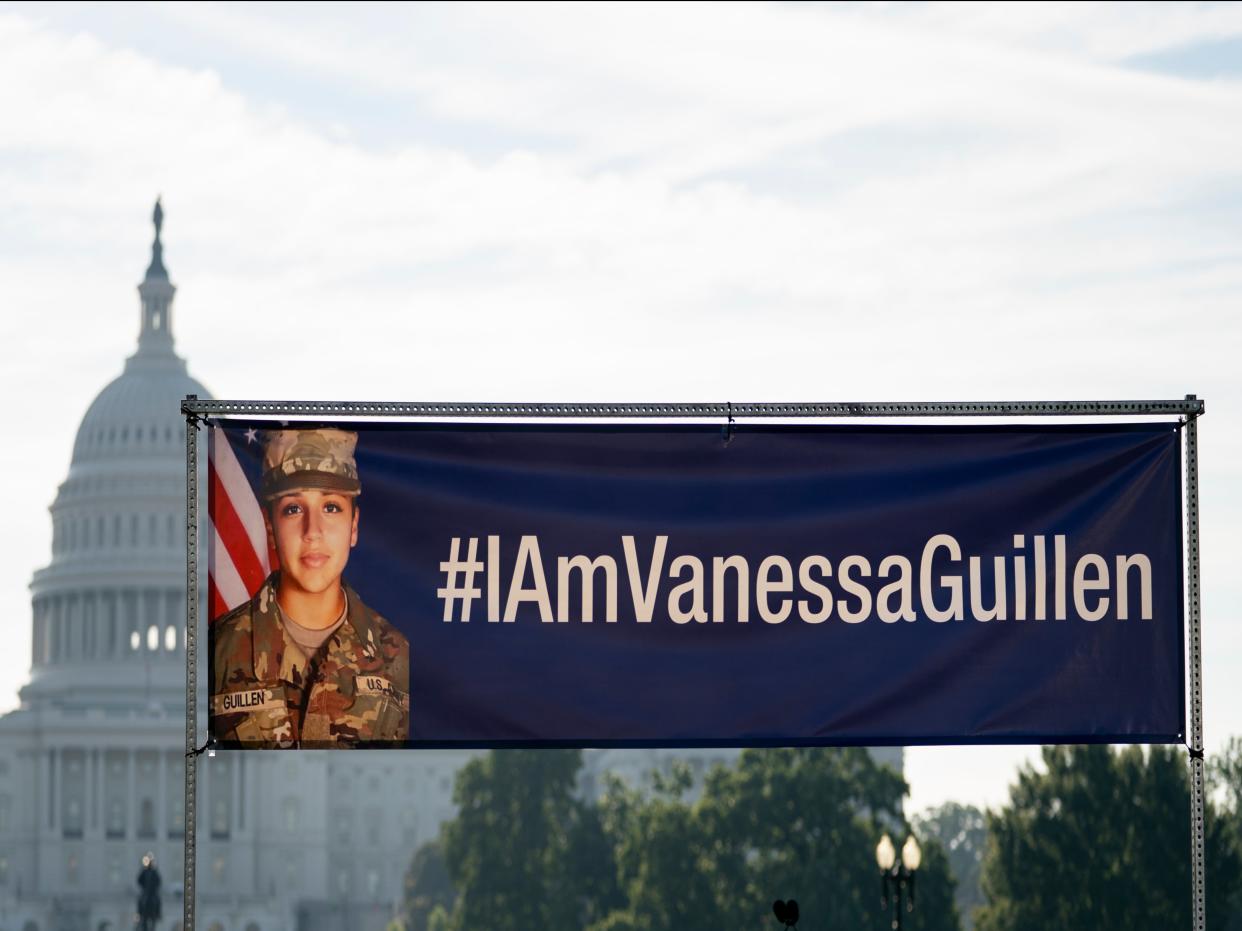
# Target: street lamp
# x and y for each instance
(896, 875)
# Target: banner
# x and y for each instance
(396, 584)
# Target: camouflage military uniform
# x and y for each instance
(267, 693)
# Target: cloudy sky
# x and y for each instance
(774, 202)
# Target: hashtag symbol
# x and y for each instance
(466, 592)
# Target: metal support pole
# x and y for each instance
(898, 878)
(1197, 844)
(191, 668)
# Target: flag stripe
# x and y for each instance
(238, 554)
(233, 481)
(227, 580)
(246, 562)
(216, 605)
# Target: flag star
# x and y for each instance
(250, 435)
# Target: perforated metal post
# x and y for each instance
(191, 664)
(1197, 842)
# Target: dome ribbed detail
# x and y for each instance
(137, 416)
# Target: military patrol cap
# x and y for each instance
(301, 460)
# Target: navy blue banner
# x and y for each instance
(650, 585)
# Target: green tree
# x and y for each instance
(1225, 773)
(962, 831)
(1101, 841)
(523, 852)
(780, 824)
(526, 854)
(427, 885)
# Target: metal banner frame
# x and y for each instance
(198, 411)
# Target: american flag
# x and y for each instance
(238, 555)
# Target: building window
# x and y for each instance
(293, 815)
(116, 819)
(6, 809)
(114, 870)
(4, 871)
(146, 818)
(375, 824)
(220, 819)
(170, 638)
(217, 871)
(153, 638)
(176, 822)
(73, 818)
(71, 869)
(220, 775)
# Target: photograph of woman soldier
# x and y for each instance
(305, 663)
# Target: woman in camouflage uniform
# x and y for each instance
(305, 663)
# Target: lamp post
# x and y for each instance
(896, 875)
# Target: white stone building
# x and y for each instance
(92, 762)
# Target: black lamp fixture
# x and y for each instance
(786, 912)
(896, 876)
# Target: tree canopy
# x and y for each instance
(527, 852)
(428, 887)
(508, 850)
(780, 824)
(1101, 841)
(1225, 774)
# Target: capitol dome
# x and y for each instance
(133, 417)
(109, 609)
